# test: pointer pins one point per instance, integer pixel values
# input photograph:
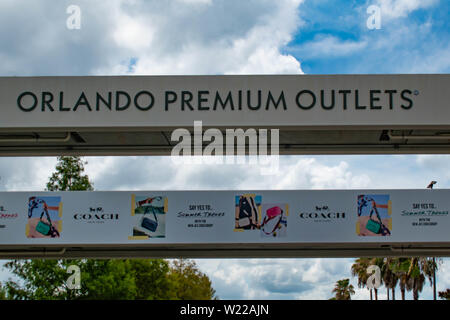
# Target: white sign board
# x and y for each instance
(403, 101)
(224, 217)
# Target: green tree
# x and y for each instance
(39, 279)
(416, 277)
(343, 290)
(390, 278)
(2, 292)
(189, 282)
(69, 175)
(400, 267)
(379, 262)
(100, 279)
(445, 294)
(429, 266)
(359, 270)
(152, 277)
(412, 274)
(107, 280)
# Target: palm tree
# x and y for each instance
(429, 268)
(416, 276)
(409, 273)
(379, 262)
(2, 292)
(445, 294)
(359, 269)
(415, 284)
(343, 290)
(390, 278)
(400, 267)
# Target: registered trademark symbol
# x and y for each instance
(416, 92)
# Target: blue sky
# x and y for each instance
(400, 44)
(132, 37)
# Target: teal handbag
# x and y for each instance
(373, 226)
(43, 228)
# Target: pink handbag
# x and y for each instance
(273, 212)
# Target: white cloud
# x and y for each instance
(310, 173)
(331, 46)
(4, 275)
(443, 276)
(278, 278)
(436, 167)
(402, 45)
(197, 2)
(437, 61)
(149, 37)
(205, 37)
(25, 174)
(401, 8)
(294, 173)
(133, 33)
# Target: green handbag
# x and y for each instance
(373, 226)
(43, 228)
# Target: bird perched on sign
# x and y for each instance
(432, 183)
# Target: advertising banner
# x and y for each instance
(224, 217)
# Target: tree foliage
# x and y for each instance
(189, 282)
(117, 279)
(69, 175)
(445, 294)
(2, 292)
(390, 278)
(359, 270)
(39, 279)
(409, 273)
(152, 279)
(343, 290)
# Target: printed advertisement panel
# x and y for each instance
(216, 217)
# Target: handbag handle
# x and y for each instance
(34, 205)
(383, 227)
(46, 213)
(266, 219)
(254, 214)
